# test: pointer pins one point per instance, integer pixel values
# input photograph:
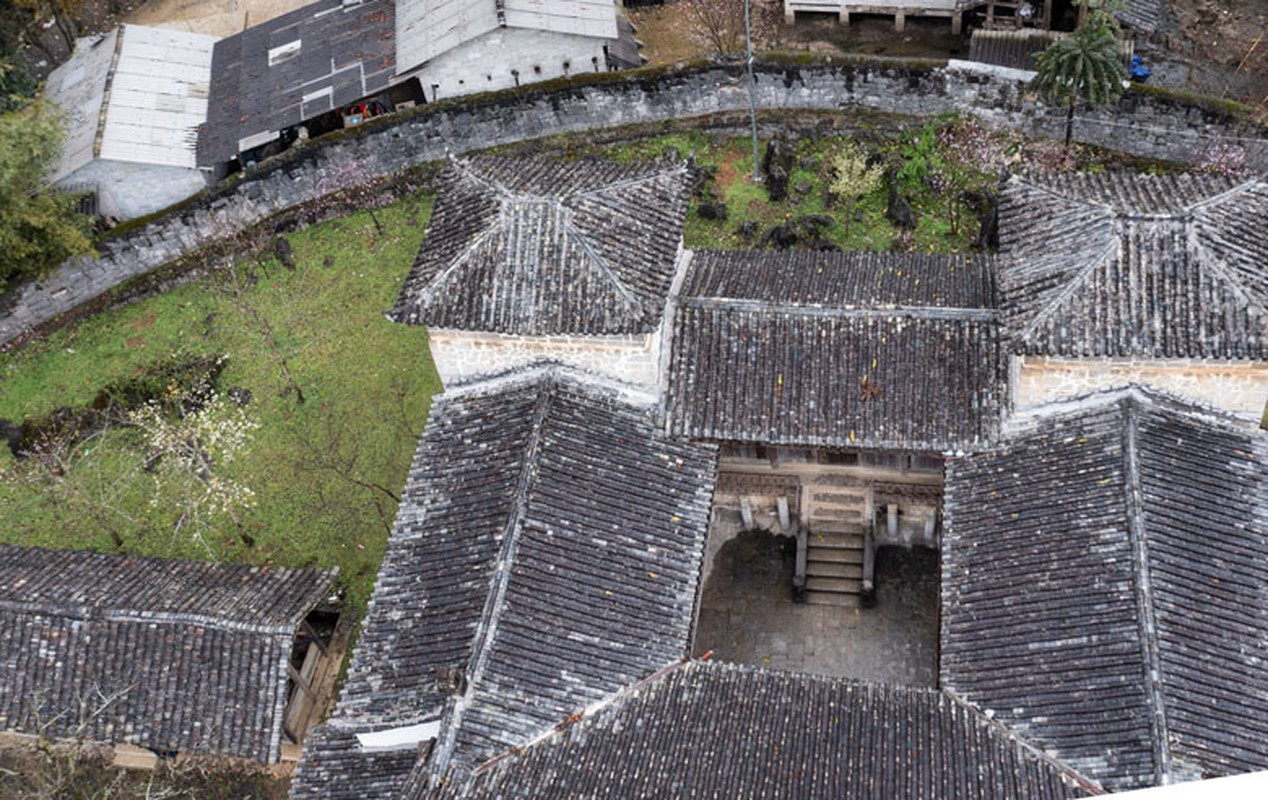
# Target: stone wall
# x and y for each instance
(1145, 123)
(1238, 387)
(462, 355)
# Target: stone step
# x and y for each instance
(838, 585)
(818, 513)
(833, 569)
(834, 528)
(835, 555)
(834, 539)
(835, 599)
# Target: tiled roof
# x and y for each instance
(293, 68)
(1105, 588)
(546, 553)
(193, 656)
(1016, 49)
(882, 350)
(715, 730)
(529, 246)
(1143, 15)
(1115, 264)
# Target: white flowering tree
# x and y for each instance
(189, 454)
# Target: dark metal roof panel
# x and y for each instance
(348, 50)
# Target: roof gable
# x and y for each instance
(534, 247)
(702, 729)
(1105, 588)
(1135, 265)
(854, 350)
(546, 553)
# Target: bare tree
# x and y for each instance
(718, 25)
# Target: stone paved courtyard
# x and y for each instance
(747, 614)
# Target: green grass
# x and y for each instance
(324, 471)
(731, 160)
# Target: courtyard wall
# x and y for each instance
(1147, 123)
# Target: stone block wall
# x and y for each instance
(1143, 123)
(463, 355)
(1237, 387)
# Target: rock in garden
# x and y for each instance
(714, 211)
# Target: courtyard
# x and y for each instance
(747, 613)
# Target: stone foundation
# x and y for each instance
(463, 355)
(1240, 387)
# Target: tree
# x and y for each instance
(189, 452)
(718, 25)
(1087, 65)
(854, 178)
(39, 227)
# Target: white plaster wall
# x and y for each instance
(1237, 386)
(463, 355)
(484, 64)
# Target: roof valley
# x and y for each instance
(1142, 584)
(439, 763)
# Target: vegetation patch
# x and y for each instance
(332, 395)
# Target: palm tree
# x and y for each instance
(1087, 64)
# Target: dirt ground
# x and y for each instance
(216, 17)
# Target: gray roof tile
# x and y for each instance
(1135, 265)
(714, 730)
(1105, 590)
(528, 246)
(858, 350)
(546, 553)
(193, 656)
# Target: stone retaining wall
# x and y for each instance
(1145, 123)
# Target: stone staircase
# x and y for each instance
(833, 541)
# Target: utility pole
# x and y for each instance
(752, 89)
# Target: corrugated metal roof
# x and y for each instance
(78, 88)
(157, 96)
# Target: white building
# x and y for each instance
(133, 100)
(456, 47)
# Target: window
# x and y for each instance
(284, 51)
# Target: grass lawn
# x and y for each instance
(865, 227)
(325, 472)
